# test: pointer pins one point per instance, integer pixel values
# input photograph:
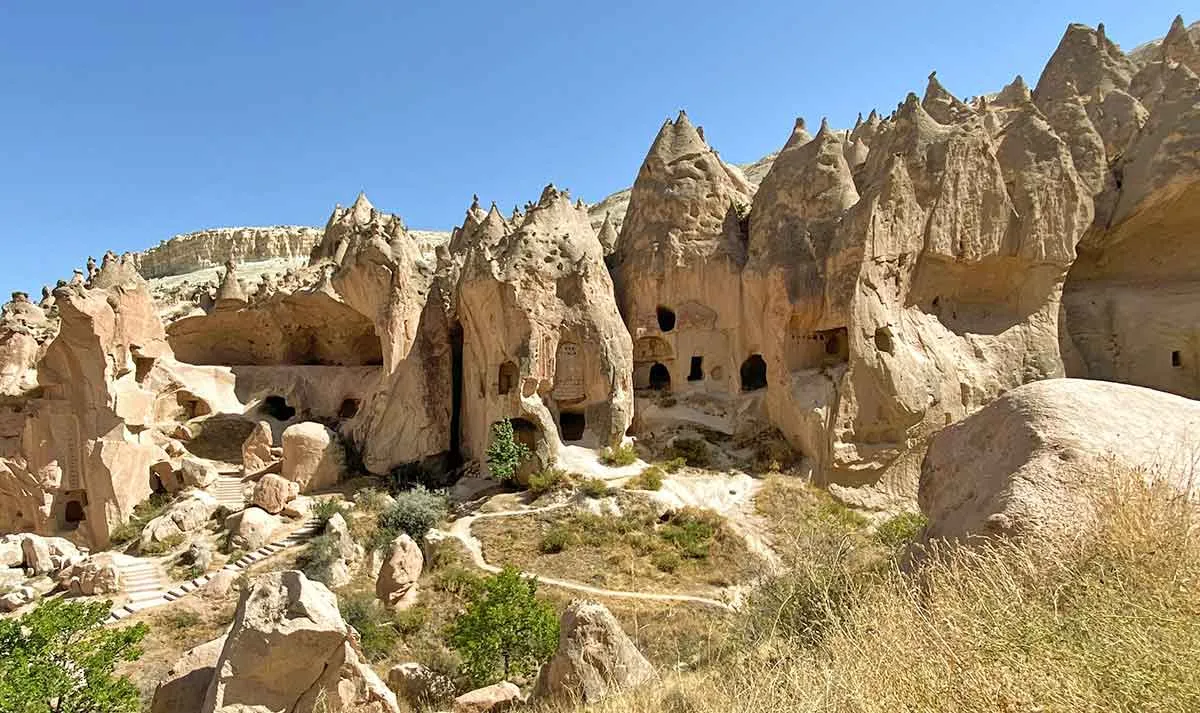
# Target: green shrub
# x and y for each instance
(61, 658)
(593, 487)
(317, 560)
(674, 465)
(371, 499)
(549, 480)
(376, 629)
(415, 513)
(506, 630)
(505, 454)
(554, 541)
(324, 509)
(457, 580)
(618, 456)
(902, 529)
(691, 531)
(693, 451)
(159, 547)
(649, 479)
(666, 561)
(143, 513)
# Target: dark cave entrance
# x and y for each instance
(660, 377)
(754, 373)
(696, 373)
(349, 408)
(666, 318)
(277, 408)
(572, 424)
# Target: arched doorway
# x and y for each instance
(754, 373)
(660, 377)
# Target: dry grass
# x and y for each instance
(624, 552)
(1109, 621)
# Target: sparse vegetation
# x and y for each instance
(505, 454)
(650, 478)
(549, 480)
(902, 529)
(674, 465)
(324, 509)
(415, 512)
(593, 487)
(691, 531)
(618, 456)
(59, 658)
(158, 547)
(318, 558)
(143, 513)
(506, 630)
(377, 628)
(555, 541)
(371, 499)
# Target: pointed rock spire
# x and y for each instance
(362, 209)
(1014, 94)
(608, 234)
(1178, 46)
(230, 294)
(799, 136)
(943, 106)
(1087, 58)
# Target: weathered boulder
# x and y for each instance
(37, 554)
(289, 650)
(98, 574)
(498, 697)
(186, 683)
(256, 451)
(17, 598)
(298, 507)
(419, 686)
(595, 658)
(251, 528)
(11, 552)
(397, 582)
(1027, 461)
(190, 514)
(198, 473)
(348, 553)
(273, 492)
(312, 456)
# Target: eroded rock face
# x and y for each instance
(251, 528)
(289, 650)
(312, 456)
(187, 681)
(273, 492)
(543, 342)
(209, 248)
(256, 450)
(1026, 461)
(595, 658)
(397, 582)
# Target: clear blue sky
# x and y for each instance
(124, 123)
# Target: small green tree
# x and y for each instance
(505, 454)
(59, 658)
(506, 629)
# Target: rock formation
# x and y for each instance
(1026, 462)
(595, 659)
(210, 248)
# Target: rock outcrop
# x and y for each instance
(312, 456)
(595, 659)
(186, 683)
(210, 248)
(396, 585)
(289, 650)
(1031, 460)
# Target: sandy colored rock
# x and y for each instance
(298, 507)
(419, 686)
(498, 697)
(197, 473)
(312, 456)
(37, 555)
(1026, 461)
(595, 659)
(273, 492)
(396, 585)
(256, 451)
(190, 514)
(98, 574)
(348, 553)
(251, 528)
(288, 647)
(186, 683)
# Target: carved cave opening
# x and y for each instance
(278, 408)
(754, 373)
(883, 340)
(349, 408)
(666, 318)
(507, 378)
(815, 349)
(696, 373)
(572, 425)
(74, 513)
(1176, 359)
(660, 377)
(141, 368)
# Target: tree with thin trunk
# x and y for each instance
(506, 630)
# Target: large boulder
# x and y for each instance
(251, 528)
(595, 658)
(37, 554)
(397, 582)
(312, 456)
(490, 699)
(197, 473)
(188, 515)
(256, 450)
(187, 681)
(348, 552)
(1026, 462)
(11, 552)
(290, 650)
(273, 492)
(98, 574)
(419, 686)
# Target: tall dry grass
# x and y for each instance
(1107, 620)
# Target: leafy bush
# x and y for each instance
(415, 513)
(161, 546)
(317, 560)
(674, 465)
(549, 480)
(505, 454)
(902, 529)
(593, 487)
(649, 479)
(60, 658)
(457, 580)
(554, 541)
(621, 455)
(691, 531)
(376, 628)
(324, 509)
(693, 451)
(371, 499)
(506, 630)
(666, 561)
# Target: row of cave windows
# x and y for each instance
(753, 373)
(278, 408)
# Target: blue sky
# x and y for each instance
(124, 123)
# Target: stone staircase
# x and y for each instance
(228, 490)
(143, 580)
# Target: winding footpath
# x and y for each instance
(461, 531)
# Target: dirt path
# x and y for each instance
(461, 531)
